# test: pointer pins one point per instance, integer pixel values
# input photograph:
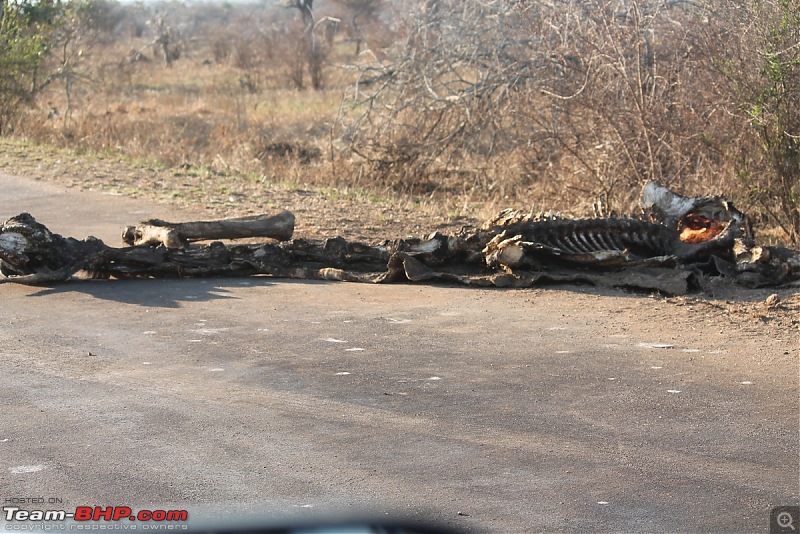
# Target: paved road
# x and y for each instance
(551, 410)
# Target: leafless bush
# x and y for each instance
(221, 49)
(244, 54)
(592, 97)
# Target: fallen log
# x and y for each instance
(176, 235)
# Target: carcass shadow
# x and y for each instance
(158, 293)
(172, 292)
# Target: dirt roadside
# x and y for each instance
(320, 213)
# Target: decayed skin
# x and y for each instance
(30, 253)
(696, 235)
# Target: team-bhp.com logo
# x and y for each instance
(95, 513)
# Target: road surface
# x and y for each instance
(548, 410)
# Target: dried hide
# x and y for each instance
(672, 247)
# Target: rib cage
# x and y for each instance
(588, 236)
(658, 230)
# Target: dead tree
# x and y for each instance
(309, 50)
(361, 10)
(165, 40)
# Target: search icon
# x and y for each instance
(784, 520)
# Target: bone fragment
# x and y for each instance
(175, 235)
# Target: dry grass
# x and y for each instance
(212, 118)
(198, 121)
(229, 112)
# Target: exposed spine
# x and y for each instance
(585, 236)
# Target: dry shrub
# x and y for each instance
(465, 103)
(245, 57)
(221, 49)
(547, 90)
(571, 101)
(760, 68)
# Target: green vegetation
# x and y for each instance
(765, 76)
(24, 29)
(775, 111)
